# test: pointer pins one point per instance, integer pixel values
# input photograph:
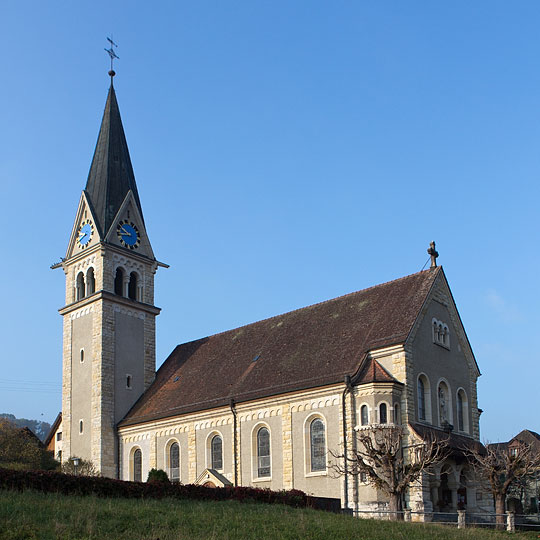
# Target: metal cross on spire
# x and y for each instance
(433, 254)
(112, 55)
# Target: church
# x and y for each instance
(264, 405)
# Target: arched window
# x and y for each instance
(80, 286)
(383, 413)
(90, 282)
(318, 445)
(263, 452)
(137, 465)
(119, 282)
(462, 407)
(128, 381)
(441, 333)
(82, 356)
(421, 391)
(364, 417)
(216, 452)
(174, 462)
(132, 287)
(460, 411)
(445, 336)
(81, 426)
(397, 414)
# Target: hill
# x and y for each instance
(39, 427)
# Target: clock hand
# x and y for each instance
(124, 231)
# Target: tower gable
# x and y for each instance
(127, 229)
(85, 233)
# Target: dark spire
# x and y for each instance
(111, 174)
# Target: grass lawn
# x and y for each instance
(32, 515)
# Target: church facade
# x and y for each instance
(268, 404)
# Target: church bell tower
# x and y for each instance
(109, 313)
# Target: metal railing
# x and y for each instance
(460, 519)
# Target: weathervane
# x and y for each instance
(112, 54)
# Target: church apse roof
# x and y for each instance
(310, 347)
(111, 173)
(373, 372)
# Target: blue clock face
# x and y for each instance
(128, 234)
(85, 233)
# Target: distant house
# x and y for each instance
(523, 497)
(53, 440)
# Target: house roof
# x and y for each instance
(310, 347)
(456, 443)
(528, 437)
(111, 174)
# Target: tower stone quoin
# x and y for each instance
(109, 313)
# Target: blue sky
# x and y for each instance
(285, 153)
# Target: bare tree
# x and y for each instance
(387, 464)
(500, 470)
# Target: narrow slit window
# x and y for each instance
(421, 399)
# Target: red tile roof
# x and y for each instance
(372, 372)
(310, 347)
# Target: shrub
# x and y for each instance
(159, 476)
(20, 449)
